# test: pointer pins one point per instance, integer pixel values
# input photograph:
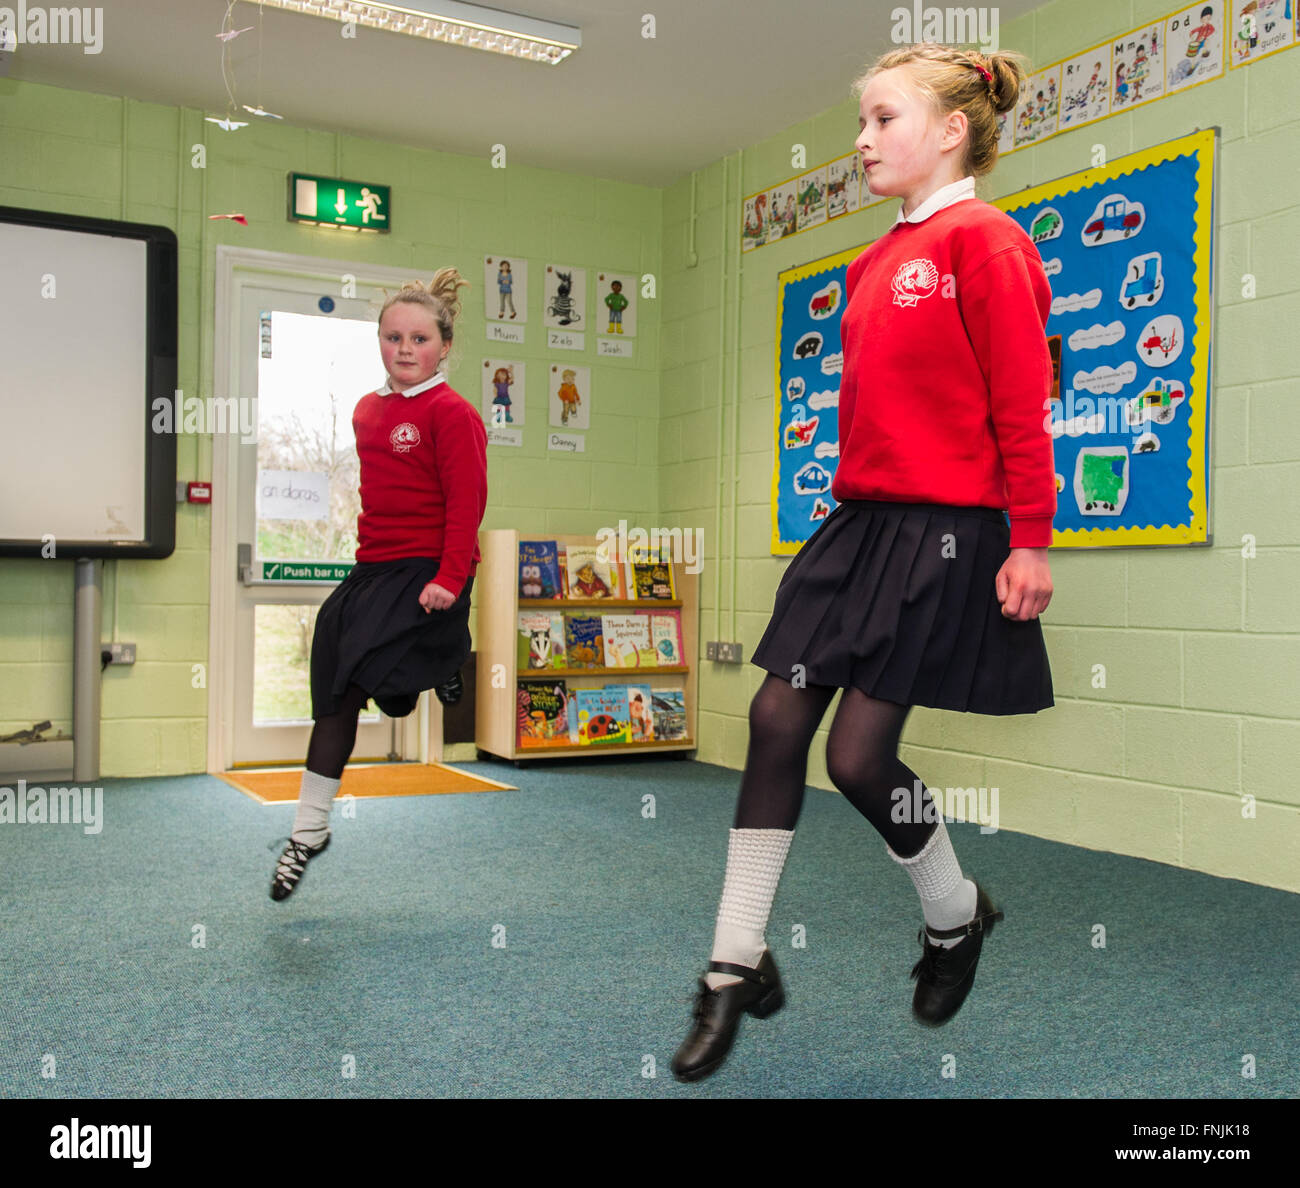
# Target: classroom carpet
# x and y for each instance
(545, 942)
(380, 779)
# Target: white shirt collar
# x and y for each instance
(436, 378)
(944, 196)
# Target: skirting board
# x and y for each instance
(48, 760)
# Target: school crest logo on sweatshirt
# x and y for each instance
(914, 280)
(404, 438)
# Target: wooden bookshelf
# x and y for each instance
(496, 589)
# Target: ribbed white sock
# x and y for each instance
(315, 797)
(947, 898)
(755, 859)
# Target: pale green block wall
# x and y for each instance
(1201, 650)
(95, 155)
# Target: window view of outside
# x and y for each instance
(317, 370)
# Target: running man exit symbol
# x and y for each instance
(337, 202)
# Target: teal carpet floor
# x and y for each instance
(149, 961)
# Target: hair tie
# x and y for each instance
(988, 78)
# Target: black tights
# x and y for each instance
(334, 735)
(861, 760)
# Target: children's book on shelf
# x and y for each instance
(602, 715)
(545, 716)
(669, 713)
(648, 576)
(590, 575)
(540, 569)
(640, 714)
(627, 641)
(540, 640)
(584, 640)
(666, 637)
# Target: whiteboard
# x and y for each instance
(77, 357)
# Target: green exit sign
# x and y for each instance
(334, 202)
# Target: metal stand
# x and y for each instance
(87, 667)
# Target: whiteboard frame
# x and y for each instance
(161, 295)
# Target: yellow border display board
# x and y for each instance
(1166, 56)
(1128, 248)
(1152, 281)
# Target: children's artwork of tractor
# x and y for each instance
(1143, 283)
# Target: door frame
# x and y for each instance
(419, 736)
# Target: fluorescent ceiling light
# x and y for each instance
(454, 23)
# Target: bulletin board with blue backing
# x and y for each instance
(1128, 252)
(809, 362)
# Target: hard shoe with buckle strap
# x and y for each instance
(717, 1014)
(451, 690)
(945, 976)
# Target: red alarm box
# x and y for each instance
(199, 493)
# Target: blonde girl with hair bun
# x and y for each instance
(924, 584)
(399, 622)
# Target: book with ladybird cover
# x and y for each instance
(602, 715)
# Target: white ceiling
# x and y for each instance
(718, 75)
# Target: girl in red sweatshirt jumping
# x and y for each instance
(915, 590)
(399, 623)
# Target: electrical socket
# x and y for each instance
(120, 653)
(725, 653)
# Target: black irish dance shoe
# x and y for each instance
(944, 976)
(717, 1014)
(449, 692)
(293, 862)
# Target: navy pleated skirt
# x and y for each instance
(372, 631)
(898, 600)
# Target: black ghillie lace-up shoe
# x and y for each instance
(449, 692)
(945, 976)
(717, 1014)
(293, 862)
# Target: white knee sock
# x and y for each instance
(314, 800)
(755, 859)
(947, 899)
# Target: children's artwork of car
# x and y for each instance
(809, 346)
(1116, 215)
(825, 301)
(812, 479)
(1047, 225)
(1157, 403)
(1101, 480)
(1143, 283)
(800, 433)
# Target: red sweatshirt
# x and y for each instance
(947, 372)
(423, 480)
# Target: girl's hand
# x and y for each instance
(1024, 584)
(433, 597)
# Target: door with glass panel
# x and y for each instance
(308, 357)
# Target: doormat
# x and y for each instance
(384, 779)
